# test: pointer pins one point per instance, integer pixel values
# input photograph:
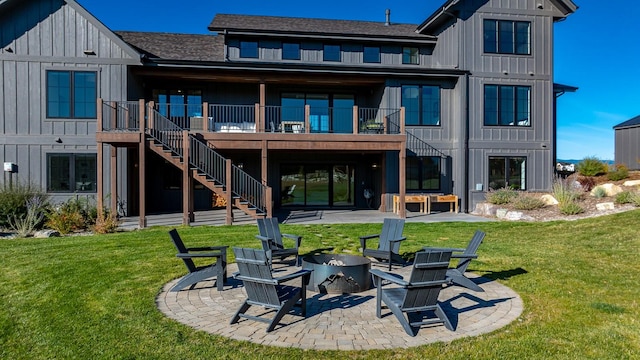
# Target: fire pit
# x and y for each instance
(338, 274)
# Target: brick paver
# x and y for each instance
(340, 322)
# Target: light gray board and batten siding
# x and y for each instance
(52, 35)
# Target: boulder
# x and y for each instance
(501, 213)
(485, 209)
(549, 199)
(46, 233)
(610, 189)
(605, 206)
(631, 183)
(517, 216)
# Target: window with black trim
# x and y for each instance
(507, 37)
(410, 55)
(249, 49)
(71, 172)
(290, 51)
(507, 105)
(422, 104)
(507, 172)
(331, 52)
(71, 94)
(371, 54)
(423, 172)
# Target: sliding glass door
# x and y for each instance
(319, 185)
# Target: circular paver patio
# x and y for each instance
(341, 322)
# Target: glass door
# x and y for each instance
(319, 112)
(342, 113)
(317, 185)
(343, 188)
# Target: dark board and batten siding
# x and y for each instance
(627, 147)
(52, 35)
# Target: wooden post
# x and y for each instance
(307, 114)
(269, 202)
(114, 178)
(141, 121)
(205, 116)
(402, 116)
(228, 196)
(263, 103)
(142, 219)
(257, 114)
(355, 120)
(186, 180)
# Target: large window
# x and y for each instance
(507, 172)
(249, 49)
(423, 173)
(506, 105)
(331, 53)
(71, 94)
(290, 51)
(422, 104)
(371, 54)
(507, 37)
(410, 55)
(71, 172)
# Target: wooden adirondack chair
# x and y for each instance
(264, 290)
(456, 275)
(388, 244)
(199, 273)
(271, 239)
(415, 302)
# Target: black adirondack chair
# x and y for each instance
(456, 274)
(218, 269)
(415, 302)
(388, 244)
(271, 239)
(264, 290)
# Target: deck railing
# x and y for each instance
(248, 189)
(166, 132)
(379, 121)
(206, 161)
(231, 118)
(120, 115)
(182, 114)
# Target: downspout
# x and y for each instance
(466, 145)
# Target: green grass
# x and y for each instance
(93, 297)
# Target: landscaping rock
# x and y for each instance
(46, 234)
(631, 183)
(501, 213)
(610, 189)
(549, 199)
(605, 206)
(517, 216)
(485, 209)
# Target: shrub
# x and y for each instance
(591, 166)
(75, 214)
(587, 182)
(13, 202)
(570, 208)
(501, 196)
(528, 202)
(564, 191)
(619, 172)
(625, 197)
(26, 225)
(106, 223)
(65, 221)
(599, 192)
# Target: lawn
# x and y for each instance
(92, 297)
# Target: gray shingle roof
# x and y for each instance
(308, 26)
(170, 46)
(632, 122)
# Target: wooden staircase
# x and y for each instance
(207, 167)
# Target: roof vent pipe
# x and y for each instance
(388, 17)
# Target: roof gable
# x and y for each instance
(450, 9)
(9, 6)
(629, 123)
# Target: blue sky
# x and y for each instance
(597, 49)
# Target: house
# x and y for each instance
(627, 143)
(279, 112)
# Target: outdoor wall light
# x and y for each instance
(505, 72)
(8, 49)
(58, 140)
(540, 6)
(89, 52)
